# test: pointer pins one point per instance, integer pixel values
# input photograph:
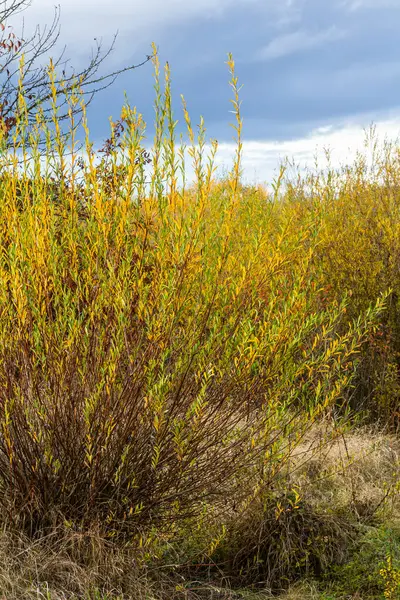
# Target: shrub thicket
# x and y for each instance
(164, 350)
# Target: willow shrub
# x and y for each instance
(161, 348)
(358, 255)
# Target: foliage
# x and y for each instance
(369, 572)
(165, 351)
(159, 350)
(357, 254)
(282, 540)
(391, 578)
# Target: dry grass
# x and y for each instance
(358, 469)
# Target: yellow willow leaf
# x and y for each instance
(156, 423)
(315, 342)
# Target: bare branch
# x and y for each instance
(34, 75)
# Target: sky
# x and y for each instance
(315, 73)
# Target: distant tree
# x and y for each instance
(35, 75)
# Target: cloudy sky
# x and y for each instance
(315, 73)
